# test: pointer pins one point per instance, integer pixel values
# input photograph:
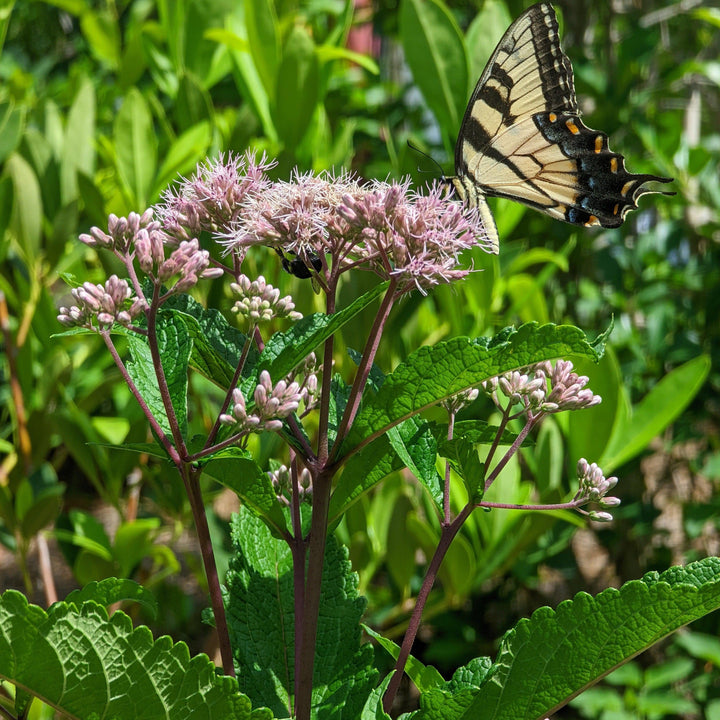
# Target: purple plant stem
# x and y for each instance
(191, 479)
(322, 484)
(447, 535)
(363, 371)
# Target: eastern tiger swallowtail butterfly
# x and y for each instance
(522, 137)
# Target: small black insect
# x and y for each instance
(298, 266)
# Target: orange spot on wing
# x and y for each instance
(598, 143)
(613, 165)
(572, 127)
(592, 220)
(552, 117)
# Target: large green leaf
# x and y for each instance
(264, 39)
(655, 412)
(135, 149)
(551, 657)
(434, 373)
(435, 51)
(86, 665)
(297, 88)
(261, 621)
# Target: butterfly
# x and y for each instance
(522, 138)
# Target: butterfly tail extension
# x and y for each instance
(603, 190)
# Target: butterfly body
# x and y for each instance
(522, 138)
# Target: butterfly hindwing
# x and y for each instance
(522, 138)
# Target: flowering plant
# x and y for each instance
(288, 621)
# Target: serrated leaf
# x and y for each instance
(434, 373)
(84, 664)
(552, 656)
(261, 623)
(378, 459)
(217, 345)
(111, 590)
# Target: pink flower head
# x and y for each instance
(213, 198)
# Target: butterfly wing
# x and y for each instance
(522, 137)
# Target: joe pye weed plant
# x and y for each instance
(288, 618)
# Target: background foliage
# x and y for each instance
(103, 104)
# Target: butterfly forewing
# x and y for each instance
(522, 138)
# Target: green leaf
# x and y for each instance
(435, 51)
(216, 345)
(43, 511)
(400, 554)
(193, 103)
(79, 147)
(184, 154)
(552, 656)
(362, 472)
(434, 373)
(39, 650)
(135, 148)
(412, 446)
(246, 74)
(264, 40)
(297, 88)
(102, 31)
(328, 53)
(285, 351)
(133, 542)
(7, 199)
(12, 122)
(175, 346)
(475, 431)
(425, 677)
(484, 33)
(589, 431)
(451, 700)
(112, 590)
(467, 465)
(28, 207)
(655, 412)
(251, 484)
(373, 708)
(261, 623)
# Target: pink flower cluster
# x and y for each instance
(108, 303)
